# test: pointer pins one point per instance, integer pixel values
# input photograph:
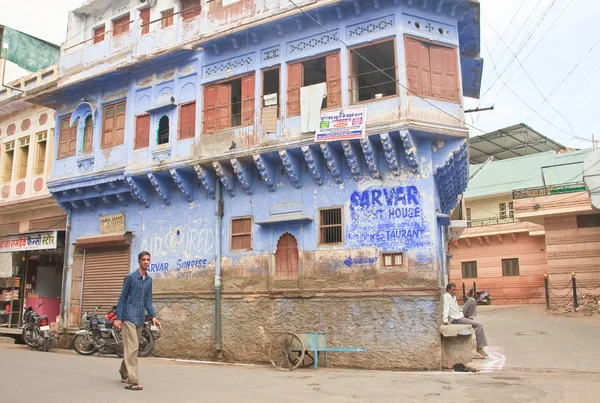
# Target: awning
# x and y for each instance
(102, 241)
(278, 218)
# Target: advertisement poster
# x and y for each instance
(342, 124)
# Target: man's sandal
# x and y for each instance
(134, 386)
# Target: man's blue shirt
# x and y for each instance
(135, 299)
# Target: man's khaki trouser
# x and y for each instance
(131, 341)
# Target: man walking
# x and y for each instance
(452, 313)
(135, 299)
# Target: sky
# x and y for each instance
(546, 52)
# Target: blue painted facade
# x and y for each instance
(394, 187)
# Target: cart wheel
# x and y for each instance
(286, 351)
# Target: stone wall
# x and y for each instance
(399, 332)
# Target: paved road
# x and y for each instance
(534, 369)
(527, 337)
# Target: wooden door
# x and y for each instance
(286, 257)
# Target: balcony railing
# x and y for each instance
(549, 190)
(482, 222)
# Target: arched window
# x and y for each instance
(163, 130)
(88, 135)
(286, 257)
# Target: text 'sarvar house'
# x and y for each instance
(196, 141)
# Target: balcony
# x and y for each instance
(549, 190)
(484, 222)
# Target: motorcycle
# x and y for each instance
(98, 335)
(36, 329)
(483, 297)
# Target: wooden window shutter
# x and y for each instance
(413, 65)
(334, 81)
(108, 126)
(145, 17)
(190, 8)
(99, 34)
(63, 143)
(210, 108)
(88, 135)
(223, 105)
(436, 62)
(72, 140)
(187, 121)
(295, 72)
(424, 69)
(120, 124)
(248, 91)
(142, 132)
(450, 75)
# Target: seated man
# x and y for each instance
(453, 313)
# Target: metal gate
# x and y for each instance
(103, 274)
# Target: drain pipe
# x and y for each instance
(66, 270)
(218, 226)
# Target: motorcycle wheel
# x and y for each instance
(146, 343)
(28, 337)
(119, 351)
(82, 346)
(46, 345)
(488, 300)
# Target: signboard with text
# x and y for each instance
(25, 242)
(342, 124)
(112, 223)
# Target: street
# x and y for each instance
(535, 357)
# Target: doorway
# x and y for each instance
(286, 257)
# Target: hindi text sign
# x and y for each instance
(342, 124)
(24, 242)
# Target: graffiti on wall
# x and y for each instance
(390, 218)
(179, 250)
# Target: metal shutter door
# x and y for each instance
(103, 274)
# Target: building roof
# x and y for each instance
(504, 176)
(510, 142)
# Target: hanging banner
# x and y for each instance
(24, 242)
(342, 124)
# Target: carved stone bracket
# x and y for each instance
(161, 154)
(226, 176)
(389, 150)
(183, 184)
(107, 201)
(76, 206)
(243, 174)
(207, 178)
(160, 188)
(370, 152)
(352, 156)
(266, 170)
(410, 150)
(85, 163)
(292, 167)
(122, 199)
(137, 192)
(314, 160)
(334, 163)
(89, 204)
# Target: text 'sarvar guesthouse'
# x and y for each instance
(217, 158)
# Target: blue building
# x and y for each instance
(188, 130)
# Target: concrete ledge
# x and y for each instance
(458, 345)
(456, 330)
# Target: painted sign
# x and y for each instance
(112, 223)
(390, 218)
(34, 241)
(342, 124)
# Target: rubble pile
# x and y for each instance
(588, 306)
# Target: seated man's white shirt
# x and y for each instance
(451, 310)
